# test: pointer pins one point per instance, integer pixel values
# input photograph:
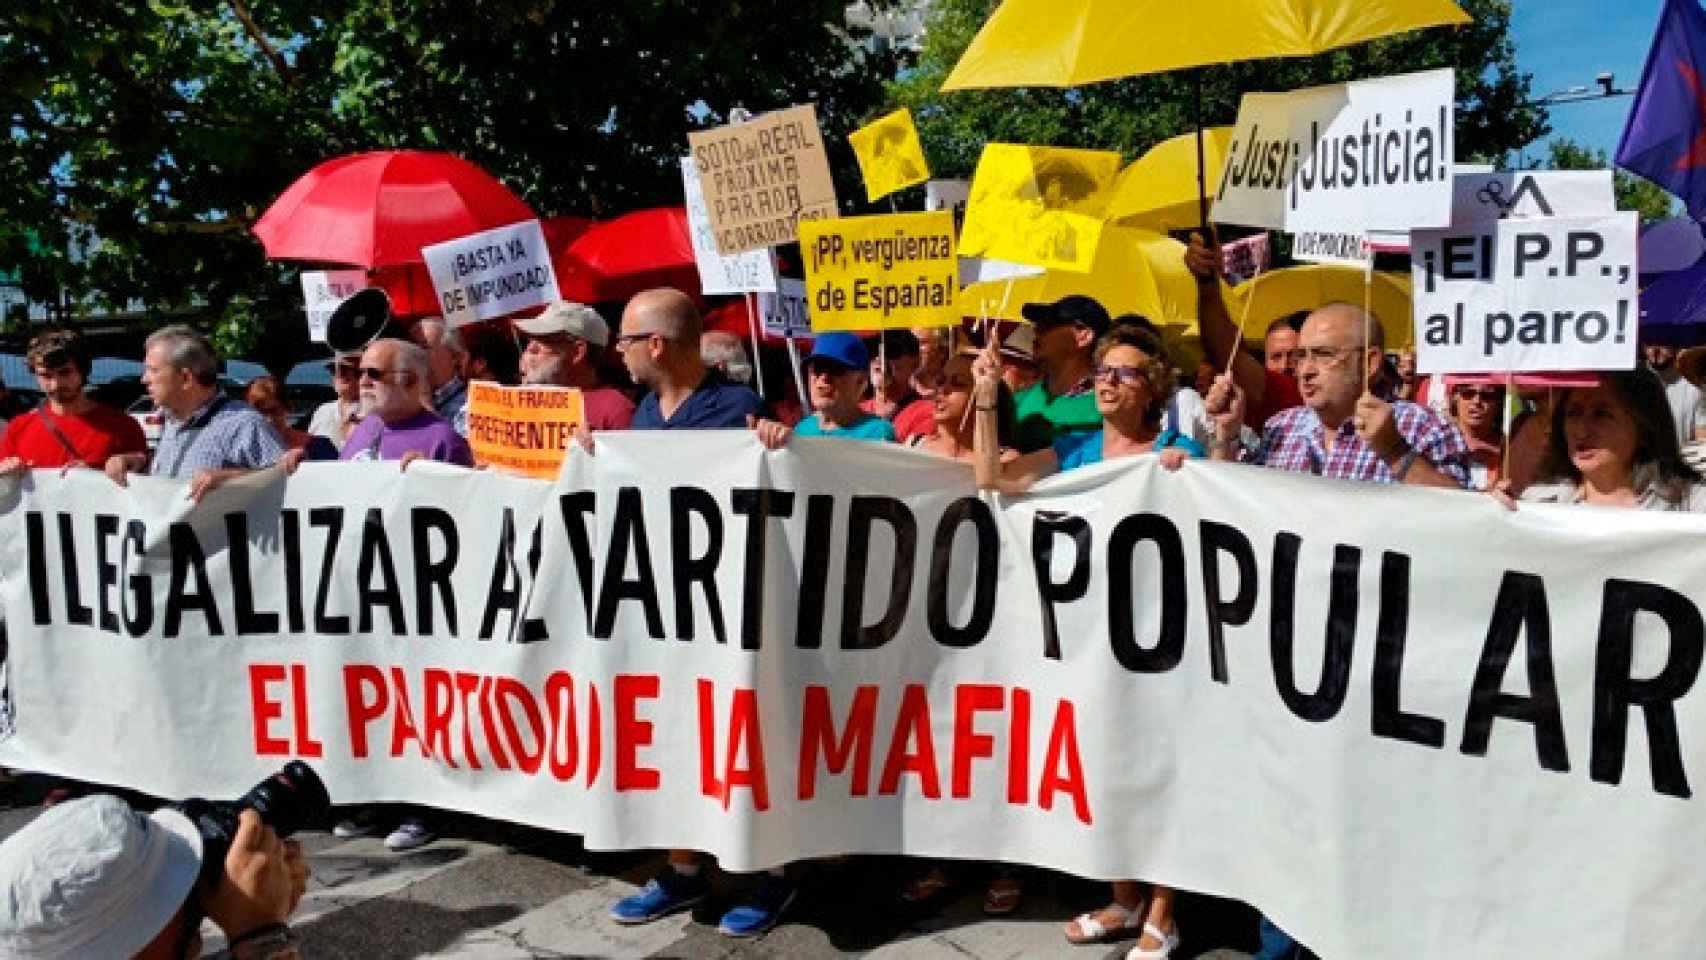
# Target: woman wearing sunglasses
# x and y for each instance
(1478, 409)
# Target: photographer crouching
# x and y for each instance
(93, 878)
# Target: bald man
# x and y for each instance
(659, 343)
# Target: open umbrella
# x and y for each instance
(1160, 190)
(1135, 271)
(379, 209)
(1069, 43)
(615, 259)
(1295, 289)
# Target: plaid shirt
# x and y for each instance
(221, 433)
(1291, 440)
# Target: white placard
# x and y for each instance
(786, 312)
(1353, 157)
(1325, 246)
(1528, 194)
(1526, 295)
(984, 270)
(322, 291)
(947, 195)
(492, 274)
(748, 272)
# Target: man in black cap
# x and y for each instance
(1064, 400)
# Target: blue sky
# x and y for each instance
(1566, 43)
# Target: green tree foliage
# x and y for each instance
(1633, 193)
(1493, 110)
(146, 135)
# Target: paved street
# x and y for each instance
(500, 892)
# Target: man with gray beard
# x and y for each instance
(564, 346)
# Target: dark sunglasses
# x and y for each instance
(375, 374)
(1120, 374)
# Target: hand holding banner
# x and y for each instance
(890, 156)
(869, 273)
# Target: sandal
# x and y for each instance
(1003, 896)
(926, 886)
(1169, 943)
(1091, 929)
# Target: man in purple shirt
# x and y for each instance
(398, 426)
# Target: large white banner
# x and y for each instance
(1348, 157)
(1336, 710)
(493, 273)
(1555, 293)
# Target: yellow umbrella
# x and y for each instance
(1135, 271)
(1160, 190)
(1068, 43)
(1280, 293)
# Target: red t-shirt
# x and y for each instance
(915, 419)
(1281, 395)
(607, 408)
(98, 434)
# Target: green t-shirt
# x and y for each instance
(1042, 418)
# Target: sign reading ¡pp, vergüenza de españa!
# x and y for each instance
(870, 273)
(524, 430)
(762, 177)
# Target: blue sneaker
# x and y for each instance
(668, 892)
(761, 910)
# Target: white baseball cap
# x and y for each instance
(565, 317)
(92, 878)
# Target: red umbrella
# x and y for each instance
(615, 259)
(378, 209)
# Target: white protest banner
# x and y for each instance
(843, 648)
(1348, 157)
(1527, 194)
(322, 291)
(786, 312)
(493, 273)
(1321, 246)
(752, 271)
(1556, 293)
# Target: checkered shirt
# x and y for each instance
(221, 433)
(1291, 440)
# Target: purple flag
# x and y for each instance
(1665, 139)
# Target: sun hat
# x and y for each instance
(92, 878)
(566, 318)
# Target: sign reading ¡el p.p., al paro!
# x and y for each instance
(1526, 295)
(492, 273)
(871, 273)
(762, 177)
(1348, 157)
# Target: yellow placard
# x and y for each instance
(525, 430)
(1039, 205)
(890, 156)
(874, 273)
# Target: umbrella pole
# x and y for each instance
(799, 380)
(1202, 173)
(752, 328)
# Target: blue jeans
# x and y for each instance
(1278, 945)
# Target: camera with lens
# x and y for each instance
(287, 801)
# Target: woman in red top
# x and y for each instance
(68, 429)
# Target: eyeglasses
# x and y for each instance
(1322, 356)
(623, 339)
(375, 374)
(1120, 374)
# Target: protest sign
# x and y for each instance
(889, 154)
(983, 270)
(1322, 246)
(322, 291)
(1556, 293)
(1347, 157)
(786, 313)
(522, 430)
(1526, 194)
(747, 272)
(492, 274)
(762, 177)
(688, 641)
(871, 273)
(1039, 205)
(947, 195)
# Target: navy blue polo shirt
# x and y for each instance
(714, 404)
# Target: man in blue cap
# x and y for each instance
(837, 373)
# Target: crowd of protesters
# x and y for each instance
(1071, 388)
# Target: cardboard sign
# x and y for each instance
(492, 274)
(787, 312)
(871, 273)
(1348, 157)
(890, 156)
(322, 291)
(1039, 205)
(1526, 295)
(739, 273)
(1326, 246)
(522, 430)
(762, 177)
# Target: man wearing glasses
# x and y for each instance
(68, 429)
(659, 344)
(334, 419)
(398, 425)
(565, 344)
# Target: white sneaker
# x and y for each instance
(356, 826)
(411, 833)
